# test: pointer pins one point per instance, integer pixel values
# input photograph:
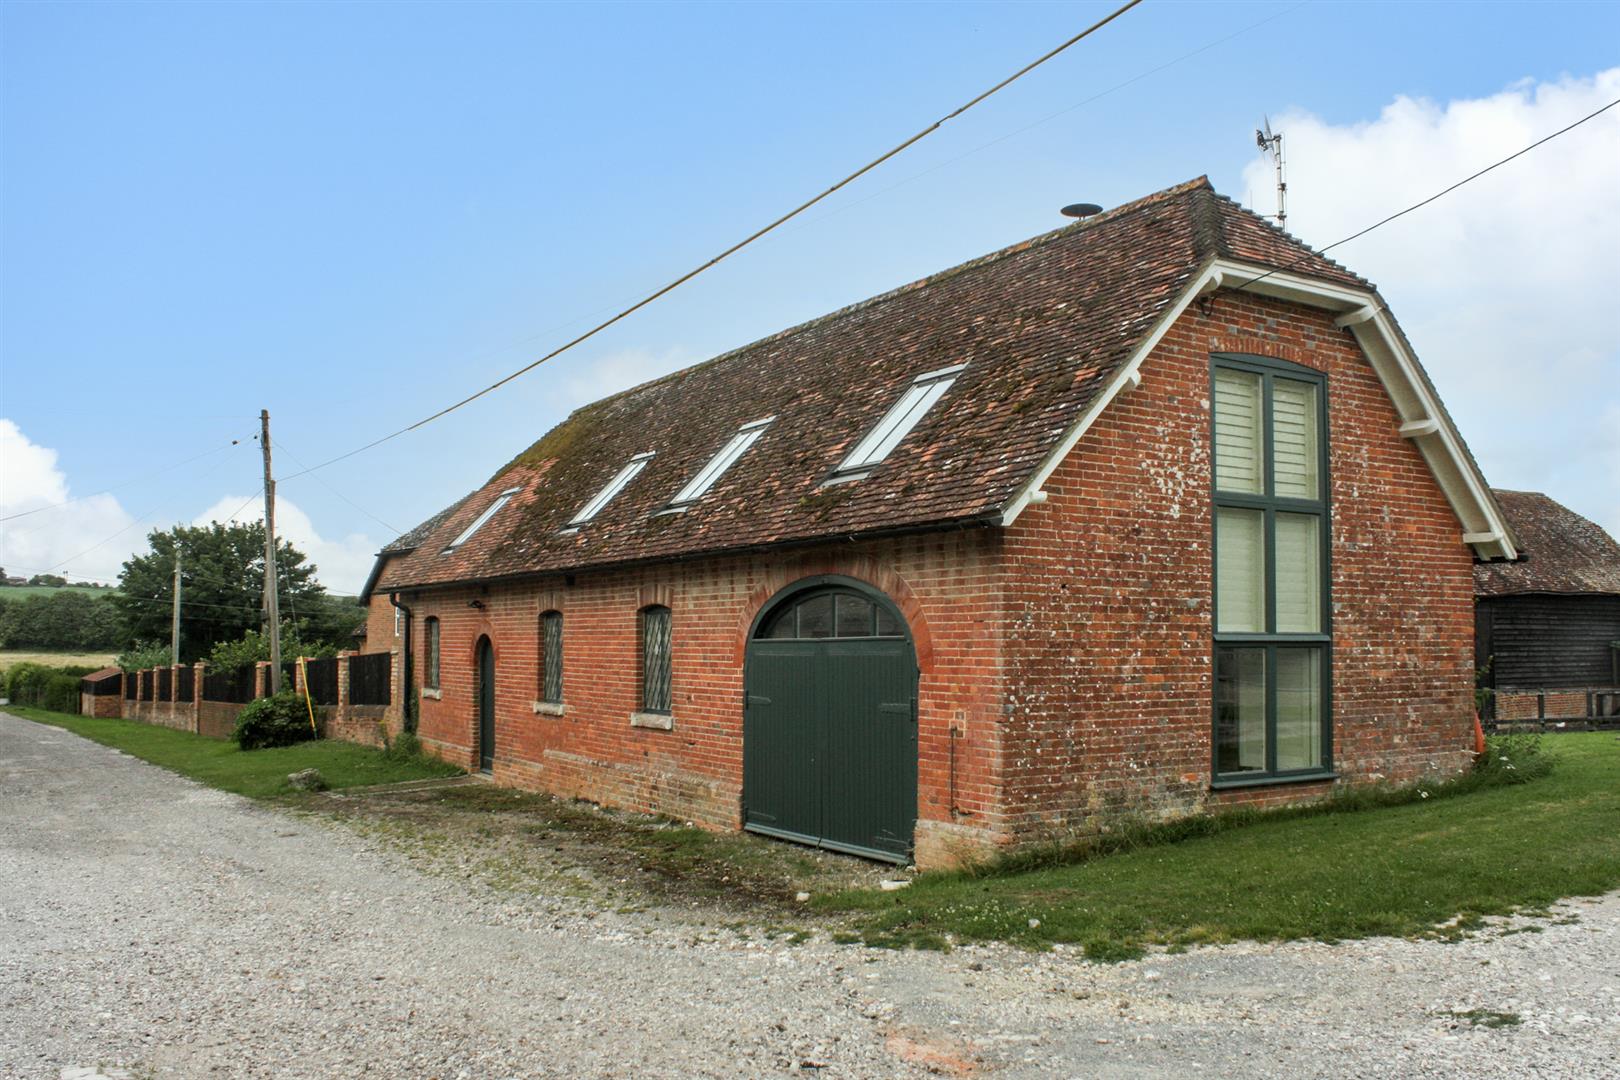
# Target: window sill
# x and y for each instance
(432, 695)
(550, 708)
(657, 721)
(1273, 781)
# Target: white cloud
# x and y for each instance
(97, 529)
(1507, 286)
(340, 565)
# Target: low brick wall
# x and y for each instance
(103, 705)
(217, 719)
(362, 724)
(358, 724)
(1512, 705)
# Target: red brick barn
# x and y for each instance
(1150, 514)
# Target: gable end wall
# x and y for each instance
(1110, 587)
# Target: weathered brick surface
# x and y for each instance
(217, 719)
(1528, 704)
(944, 583)
(103, 705)
(1110, 583)
(1071, 653)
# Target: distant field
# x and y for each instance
(9, 657)
(23, 592)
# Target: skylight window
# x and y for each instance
(494, 508)
(897, 423)
(614, 486)
(725, 459)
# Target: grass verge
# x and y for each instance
(1402, 863)
(259, 774)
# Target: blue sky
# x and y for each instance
(351, 214)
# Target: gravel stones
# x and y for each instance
(150, 924)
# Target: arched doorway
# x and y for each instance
(484, 691)
(830, 725)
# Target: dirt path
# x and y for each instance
(152, 924)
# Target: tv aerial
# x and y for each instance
(1273, 145)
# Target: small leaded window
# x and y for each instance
(430, 651)
(655, 660)
(831, 613)
(1271, 585)
(897, 423)
(551, 657)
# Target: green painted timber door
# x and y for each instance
(830, 743)
(486, 706)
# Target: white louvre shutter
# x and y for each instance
(1240, 565)
(1293, 434)
(1239, 438)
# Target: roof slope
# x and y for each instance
(1041, 326)
(1563, 552)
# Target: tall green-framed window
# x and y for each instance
(1272, 633)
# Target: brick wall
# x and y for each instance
(944, 584)
(103, 705)
(1067, 660)
(380, 626)
(1110, 588)
(1515, 704)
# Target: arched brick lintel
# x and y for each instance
(860, 567)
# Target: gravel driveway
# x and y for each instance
(155, 925)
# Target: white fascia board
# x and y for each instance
(1126, 376)
(1464, 487)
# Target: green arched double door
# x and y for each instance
(830, 727)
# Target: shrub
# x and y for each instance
(143, 655)
(1514, 759)
(281, 720)
(56, 689)
(404, 746)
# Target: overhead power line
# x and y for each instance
(1437, 195)
(739, 245)
(282, 443)
(125, 484)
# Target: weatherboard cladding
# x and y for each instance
(1041, 326)
(1563, 551)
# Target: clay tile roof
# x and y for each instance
(102, 673)
(1041, 326)
(1563, 552)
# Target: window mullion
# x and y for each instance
(1271, 709)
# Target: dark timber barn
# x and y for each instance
(1548, 624)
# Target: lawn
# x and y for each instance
(9, 658)
(259, 774)
(1433, 866)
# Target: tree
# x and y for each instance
(68, 620)
(54, 581)
(222, 575)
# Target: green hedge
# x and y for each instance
(51, 688)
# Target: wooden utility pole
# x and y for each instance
(272, 607)
(174, 634)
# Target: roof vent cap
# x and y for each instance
(1081, 210)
